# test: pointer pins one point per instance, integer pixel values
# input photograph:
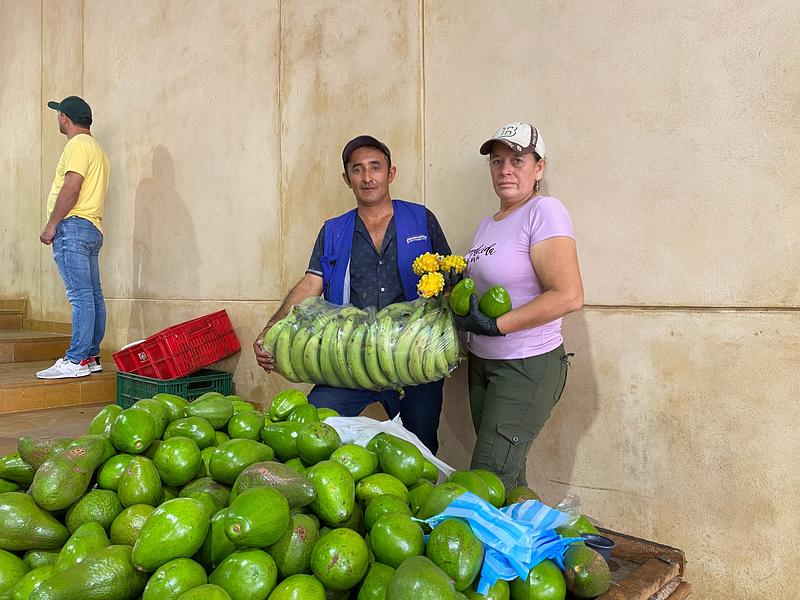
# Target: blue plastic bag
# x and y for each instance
(516, 538)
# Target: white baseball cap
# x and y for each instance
(520, 137)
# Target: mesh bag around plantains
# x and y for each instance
(403, 344)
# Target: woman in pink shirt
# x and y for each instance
(517, 362)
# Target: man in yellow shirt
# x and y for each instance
(75, 213)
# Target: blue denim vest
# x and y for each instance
(411, 227)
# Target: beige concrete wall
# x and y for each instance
(677, 427)
(193, 209)
(347, 69)
(671, 134)
(20, 161)
(62, 70)
(671, 131)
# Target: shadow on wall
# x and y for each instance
(551, 461)
(165, 254)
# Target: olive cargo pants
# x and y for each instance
(510, 401)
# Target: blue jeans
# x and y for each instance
(419, 409)
(76, 247)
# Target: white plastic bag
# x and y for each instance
(360, 430)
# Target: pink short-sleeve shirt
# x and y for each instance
(500, 255)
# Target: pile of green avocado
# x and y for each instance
(213, 500)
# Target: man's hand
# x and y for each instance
(263, 358)
(308, 286)
(477, 322)
(47, 235)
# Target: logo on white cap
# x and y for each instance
(509, 131)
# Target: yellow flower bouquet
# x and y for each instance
(431, 268)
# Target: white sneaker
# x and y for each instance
(62, 369)
(93, 362)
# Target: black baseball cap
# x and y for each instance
(75, 108)
(361, 142)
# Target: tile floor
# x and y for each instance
(70, 421)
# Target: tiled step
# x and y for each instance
(11, 318)
(26, 346)
(70, 421)
(21, 391)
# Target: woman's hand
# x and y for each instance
(477, 322)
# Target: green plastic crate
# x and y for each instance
(131, 388)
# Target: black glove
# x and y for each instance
(451, 278)
(476, 321)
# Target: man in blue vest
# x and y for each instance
(364, 258)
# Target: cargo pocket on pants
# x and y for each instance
(562, 380)
(510, 447)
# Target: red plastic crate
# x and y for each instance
(180, 350)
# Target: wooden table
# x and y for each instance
(644, 570)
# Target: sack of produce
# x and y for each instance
(408, 343)
(403, 344)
